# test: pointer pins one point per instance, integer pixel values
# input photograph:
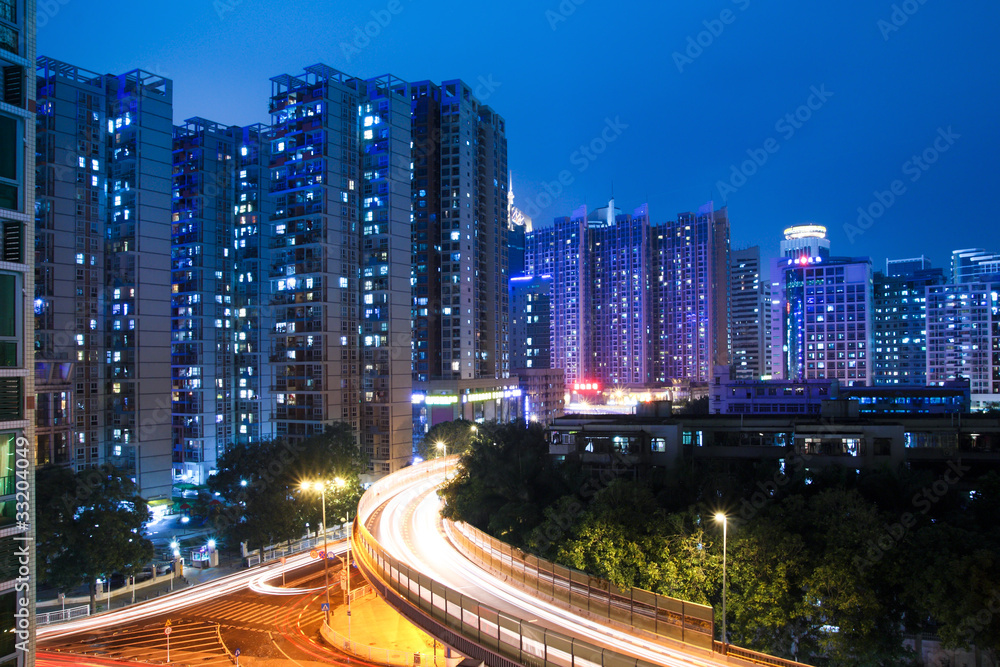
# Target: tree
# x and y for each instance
(261, 482)
(90, 524)
(504, 482)
(456, 436)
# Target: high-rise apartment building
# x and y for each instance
(821, 312)
(17, 363)
(102, 296)
(899, 356)
(617, 276)
(962, 339)
(560, 251)
(460, 236)
(219, 196)
(690, 295)
(339, 262)
(530, 322)
(460, 258)
(748, 313)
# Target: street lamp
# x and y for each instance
(721, 518)
(321, 487)
(341, 483)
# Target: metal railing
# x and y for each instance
(62, 615)
(275, 551)
(633, 609)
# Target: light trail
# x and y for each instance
(410, 529)
(254, 579)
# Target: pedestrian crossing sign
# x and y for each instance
(325, 606)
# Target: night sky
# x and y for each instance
(665, 101)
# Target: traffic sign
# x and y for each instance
(313, 554)
(167, 630)
(324, 607)
(236, 653)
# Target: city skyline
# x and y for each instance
(869, 94)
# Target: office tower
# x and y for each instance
(339, 265)
(102, 298)
(17, 416)
(218, 397)
(822, 312)
(899, 356)
(617, 276)
(974, 266)
(560, 251)
(748, 314)
(690, 296)
(903, 267)
(962, 338)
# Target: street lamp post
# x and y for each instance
(326, 560)
(723, 519)
(444, 453)
(341, 484)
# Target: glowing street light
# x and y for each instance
(341, 484)
(321, 487)
(721, 518)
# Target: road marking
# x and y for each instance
(282, 651)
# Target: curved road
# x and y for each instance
(409, 526)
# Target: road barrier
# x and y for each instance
(633, 609)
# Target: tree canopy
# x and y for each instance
(90, 524)
(262, 486)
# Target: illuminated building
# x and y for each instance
(690, 295)
(899, 356)
(102, 314)
(560, 251)
(618, 317)
(460, 211)
(974, 266)
(748, 314)
(217, 323)
(962, 339)
(339, 262)
(822, 312)
(530, 322)
(17, 362)
(542, 387)
(460, 251)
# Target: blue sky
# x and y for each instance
(674, 105)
